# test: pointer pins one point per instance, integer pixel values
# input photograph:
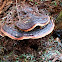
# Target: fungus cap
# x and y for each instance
(30, 17)
(26, 21)
(16, 34)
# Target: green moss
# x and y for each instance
(59, 18)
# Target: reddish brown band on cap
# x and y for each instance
(32, 24)
(20, 35)
(30, 17)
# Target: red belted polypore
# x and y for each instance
(26, 22)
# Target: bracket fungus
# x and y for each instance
(26, 22)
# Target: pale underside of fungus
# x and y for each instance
(26, 22)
